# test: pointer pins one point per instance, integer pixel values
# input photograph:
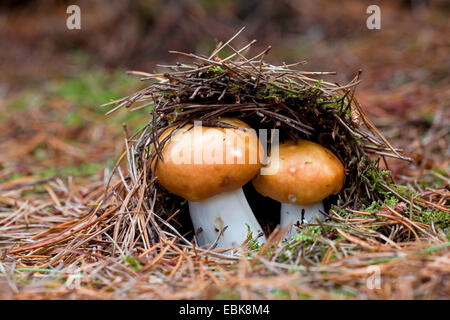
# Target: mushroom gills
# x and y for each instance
(291, 213)
(228, 210)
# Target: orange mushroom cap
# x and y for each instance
(237, 155)
(308, 173)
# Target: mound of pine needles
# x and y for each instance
(266, 97)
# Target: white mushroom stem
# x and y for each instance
(228, 209)
(290, 214)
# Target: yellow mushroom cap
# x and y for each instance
(200, 164)
(308, 173)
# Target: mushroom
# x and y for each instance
(307, 174)
(208, 166)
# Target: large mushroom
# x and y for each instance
(208, 166)
(307, 174)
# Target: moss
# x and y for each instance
(284, 294)
(168, 95)
(213, 72)
(376, 206)
(23, 280)
(75, 170)
(341, 293)
(281, 294)
(253, 243)
(15, 176)
(272, 91)
(74, 118)
(374, 177)
(176, 112)
(20, 103)
(133, 263)
(440, 218)
(228, 295)
(94, 88)
(233, 88)
(305, 236)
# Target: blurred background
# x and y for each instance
(53, 80)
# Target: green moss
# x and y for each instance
(432, 180)
(74, 118)
(214, 72)
(374, 177)
(376, 206)
(341, 293)
(176, 111)
(83, 169)
(233, 88)
(440, 218)
(307, 98)
(15, 176)
(307, 235)
(428, 117)
(19, 104)
(95, 88)
(23, 280)
(82, 94)
(281, 294)
(253, 243)
(228, 295)
(168, 95)
(133, 263)
(284, 294)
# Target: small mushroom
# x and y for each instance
(307, 174)
(208, 166)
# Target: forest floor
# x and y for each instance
(58, 148)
